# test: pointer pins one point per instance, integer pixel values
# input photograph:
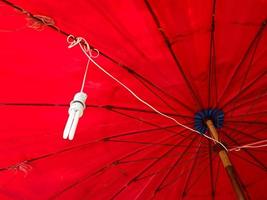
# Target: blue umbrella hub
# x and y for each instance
(214, 114)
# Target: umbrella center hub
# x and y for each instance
(213, 114)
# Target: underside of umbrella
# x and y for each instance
(178, 111)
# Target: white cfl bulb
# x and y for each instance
(77, 106)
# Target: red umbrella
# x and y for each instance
(201, 64)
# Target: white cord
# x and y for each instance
(216, 141)
(73, 42)
(85, 74)
(88, 52)
(253, 145)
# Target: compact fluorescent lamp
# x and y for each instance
(77, 106)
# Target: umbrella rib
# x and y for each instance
(158, 96)
(263, 167)
(237, 96)
(163, 171)
(258, 150)
(203, 154)
(217, 176)
(145, 187)
(249, 101)
(81, 180)
(33, 104)
(212, 66)
(168, 44)
(247, 122)
(146, 122)
(244, 188)
(248, 113)
(162, 186)
(249, 161)
(154, 158)
(119, 161)
(190, 172)
(215, 75)
(177, 177)
(182, 173)
(177, 161)
(53, 154)
(198, 177)
(139, 77)
(108, 107)
(255, 38)
(262, 112)
(251, 61)
(243, 133)
(149, 145)
(148, 167)
(138, 132)
(211, 173)
(140, 142)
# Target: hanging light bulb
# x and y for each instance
(77, 106)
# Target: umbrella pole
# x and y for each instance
(227, 164)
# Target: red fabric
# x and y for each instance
(40, 75)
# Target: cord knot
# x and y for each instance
(73, 41)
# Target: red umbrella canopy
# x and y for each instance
(191, 60)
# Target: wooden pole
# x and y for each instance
(227, 164)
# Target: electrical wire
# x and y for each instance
(253, 145)
(85, 47)
(85, 74)
(73, 42)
